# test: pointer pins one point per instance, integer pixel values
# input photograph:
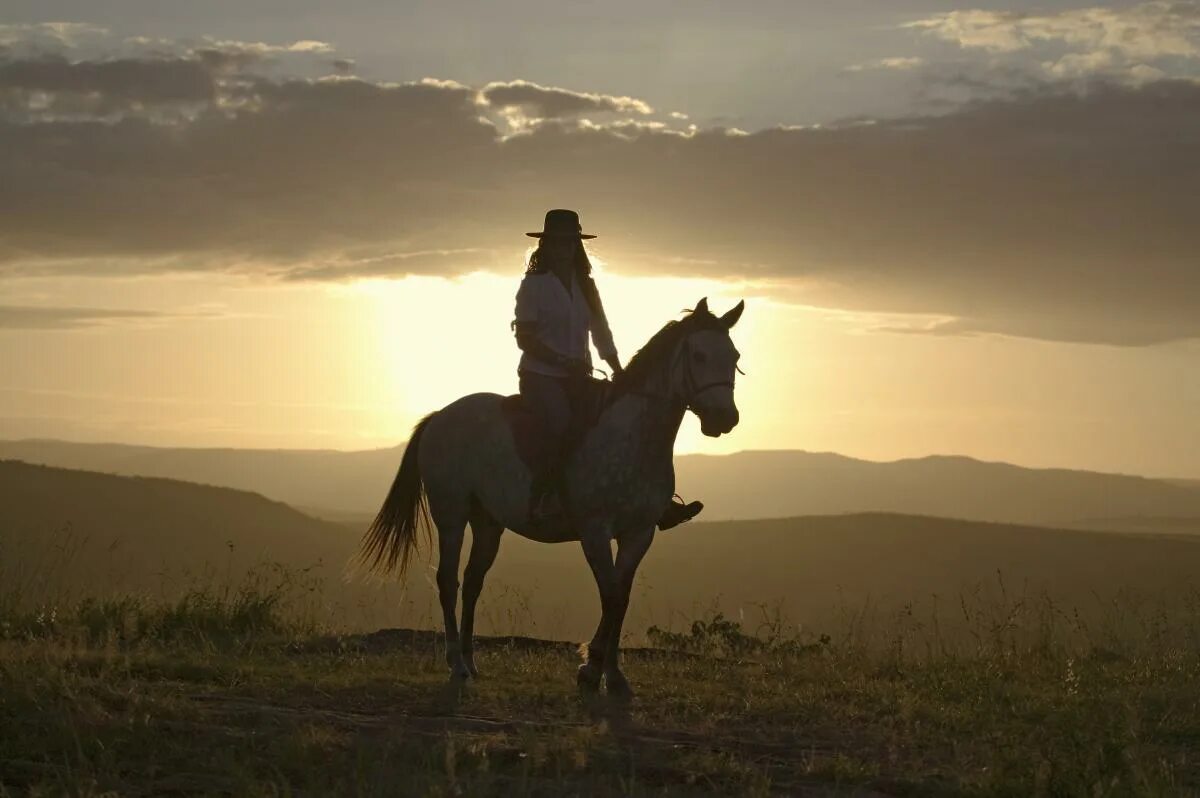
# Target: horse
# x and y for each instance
(461, 465)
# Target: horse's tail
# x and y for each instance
(392, 537)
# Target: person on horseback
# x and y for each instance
(557, 306)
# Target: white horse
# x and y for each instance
(462, 466)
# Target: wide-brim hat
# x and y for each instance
(561, 222)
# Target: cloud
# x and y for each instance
(1144, 30)
(30, 317)
(894, 63)
(1082, 41)
(554, 103)
(997, 31)
(105, 86)
(149, 77)
(258, 50)
(393, 264)
(48, 36)
(1064, 216)
(309, 46)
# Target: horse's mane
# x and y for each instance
(643, 363)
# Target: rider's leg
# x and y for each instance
(548, 398)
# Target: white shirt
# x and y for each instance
(562, 322)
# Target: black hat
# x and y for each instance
(561, 222)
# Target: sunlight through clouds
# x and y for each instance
(438, 339)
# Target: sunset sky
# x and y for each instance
(959, 229)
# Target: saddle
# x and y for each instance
(588, 396)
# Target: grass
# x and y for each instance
(225, 690)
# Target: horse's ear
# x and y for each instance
(702, 306)
(731, 318)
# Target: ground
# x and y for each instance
(269, 713)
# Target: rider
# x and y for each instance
(557, 306)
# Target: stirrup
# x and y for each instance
(677, 512)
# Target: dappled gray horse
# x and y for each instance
(462, 466)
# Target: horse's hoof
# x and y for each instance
(618, 686)
(588, 677)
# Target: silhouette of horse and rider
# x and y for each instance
(570, 458)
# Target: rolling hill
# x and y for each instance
(753, 484)
(337, 481)
(153, 535)
(81, 530)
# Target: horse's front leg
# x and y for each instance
(630, 551)
(597, 548)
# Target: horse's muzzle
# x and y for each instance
(717, 422)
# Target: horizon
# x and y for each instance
(843, 455)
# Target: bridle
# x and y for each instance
(689, 379)
(691, 389)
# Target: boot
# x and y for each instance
(677, 512)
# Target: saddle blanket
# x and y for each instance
(530, 434)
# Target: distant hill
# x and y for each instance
(766, 484)
(354, 482)
(87, 530)
(146, 534)
(1169, 525)
(756, 484)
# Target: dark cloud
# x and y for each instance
(1065, 216)
(113, 84)
(296, 169)
(219, 61)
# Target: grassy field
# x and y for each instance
(240, 691)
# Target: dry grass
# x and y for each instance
(238, 690)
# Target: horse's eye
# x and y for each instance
(699, 357)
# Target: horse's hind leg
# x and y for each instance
(450, 526)
(485, 542)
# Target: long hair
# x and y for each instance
(583, 273)
(583, 264)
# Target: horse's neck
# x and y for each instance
(640, 426)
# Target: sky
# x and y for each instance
(958, 228)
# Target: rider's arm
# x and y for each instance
(602, 336)
(528, 341)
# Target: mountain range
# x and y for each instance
(350, 485)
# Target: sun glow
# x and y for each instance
(438, 339)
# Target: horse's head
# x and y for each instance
(707, 363)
